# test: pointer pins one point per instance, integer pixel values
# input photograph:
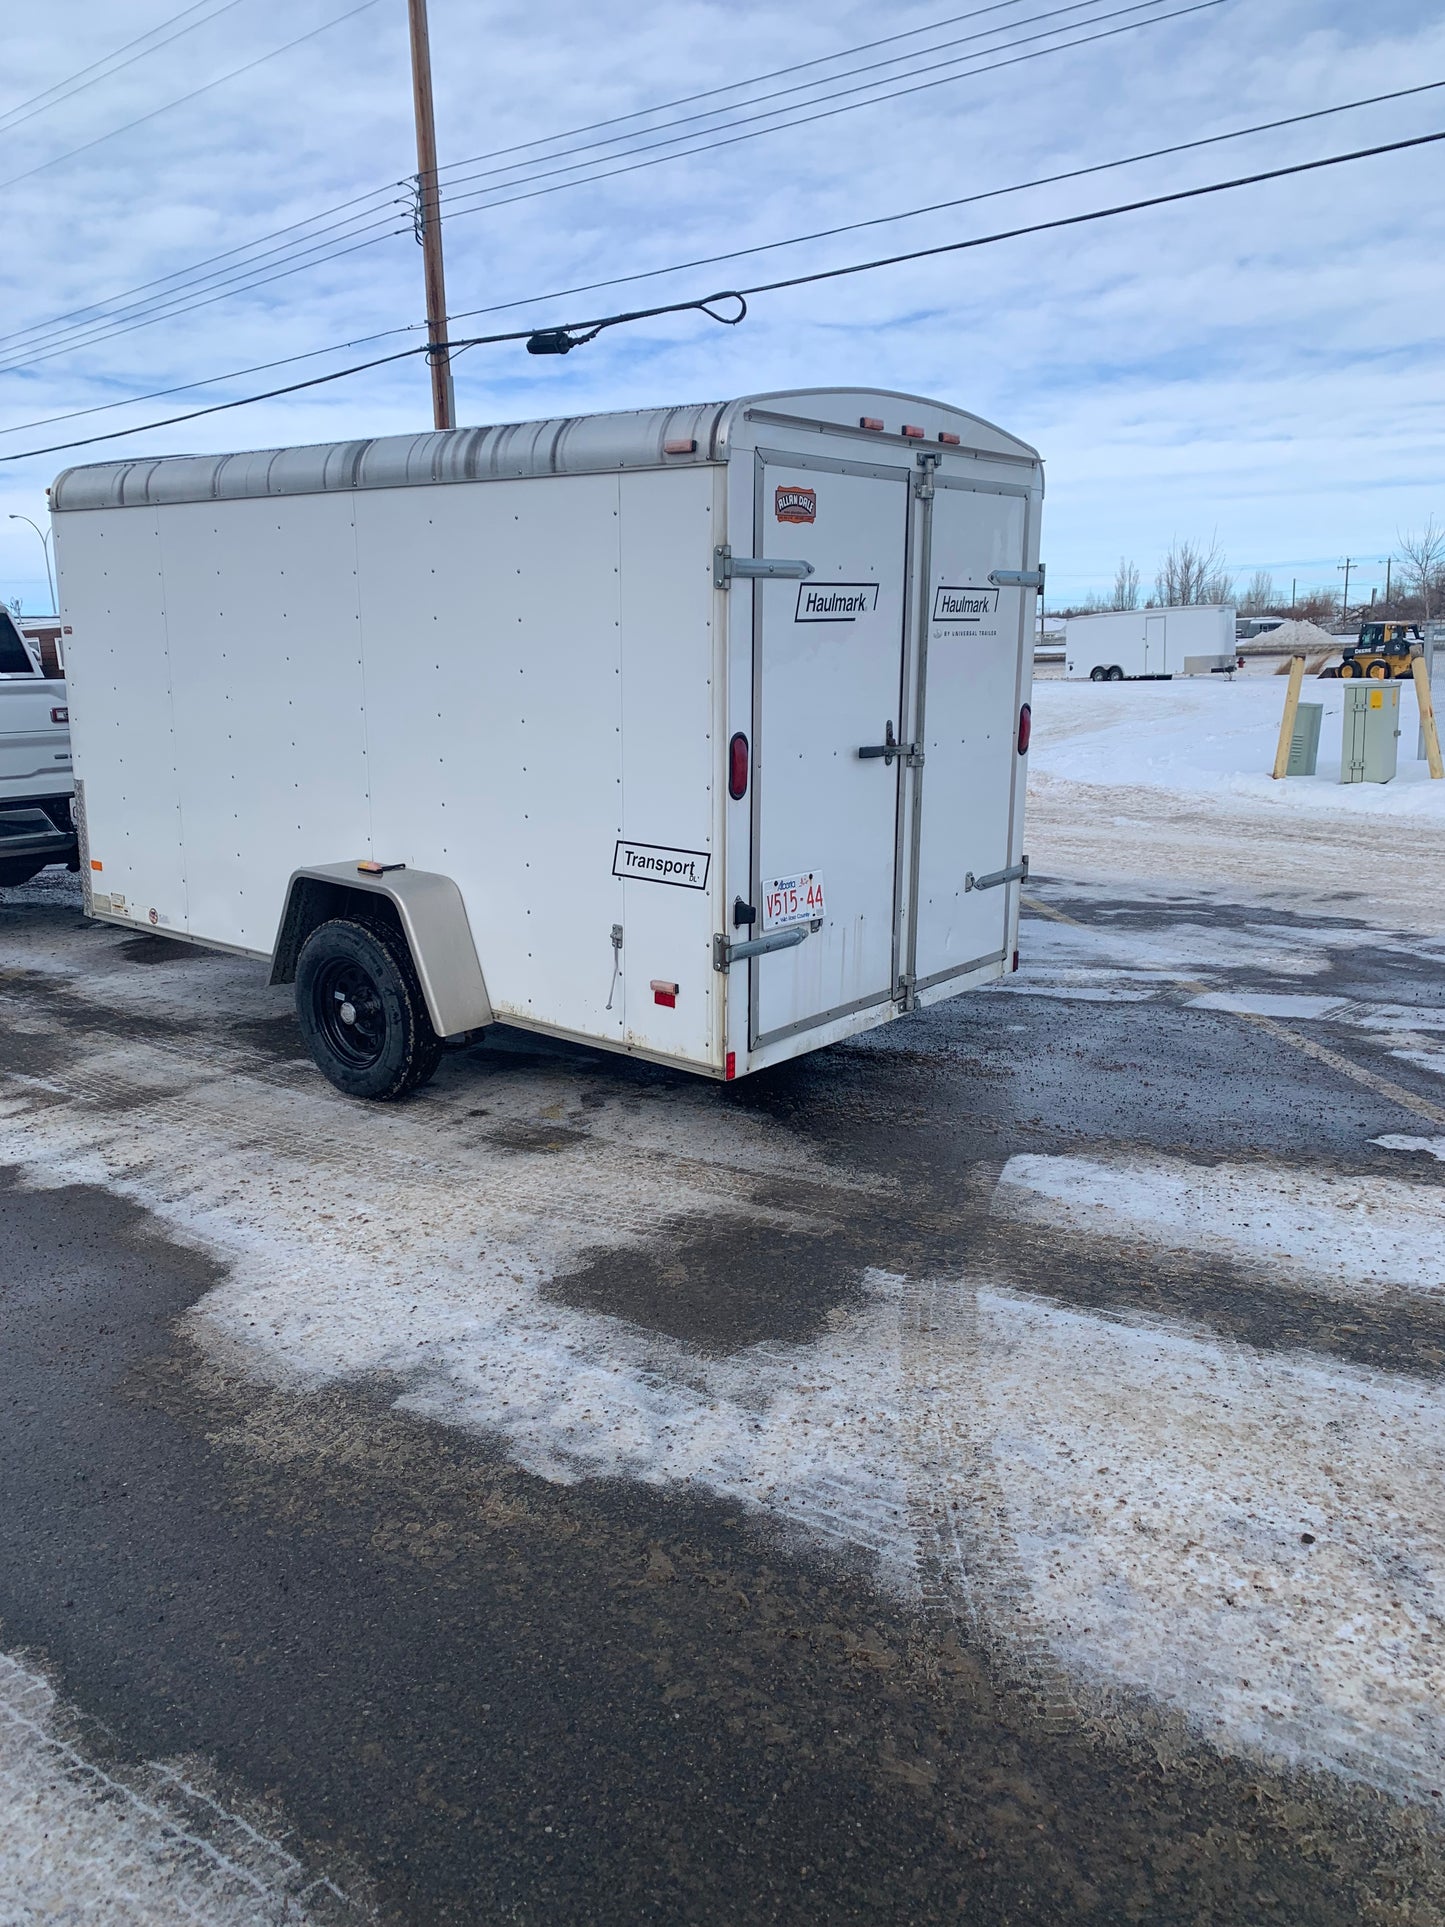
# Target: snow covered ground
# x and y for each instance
(1170, 782)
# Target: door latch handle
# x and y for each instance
(910, 754)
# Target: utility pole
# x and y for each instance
(1346, 565)
(1389, 559)
(429, 220)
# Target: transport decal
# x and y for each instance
(657, 863)
(835, 601)
(795, 504)
(963, 603)
(795, 899)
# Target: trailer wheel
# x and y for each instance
(15, 870)
(1097, 673)
(362, 1012)
(1116, 674)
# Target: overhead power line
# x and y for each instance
(181, 99)
(482, 206)
(77, 83)
(293, 258)
(581, 331)
(761, 247)
(830, 82)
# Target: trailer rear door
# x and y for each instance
(971, 687)
(827, 681)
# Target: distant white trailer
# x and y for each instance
(693, 733)
(1132, 645)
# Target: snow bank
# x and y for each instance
(1214, 739)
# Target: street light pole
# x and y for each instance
(429, 219)
(45, 545)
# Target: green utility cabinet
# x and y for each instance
(1370, 737)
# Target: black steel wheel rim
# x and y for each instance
(350, 1012)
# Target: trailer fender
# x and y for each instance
(427, 909)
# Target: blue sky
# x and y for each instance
(1265, 366)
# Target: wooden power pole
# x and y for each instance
(430, 219)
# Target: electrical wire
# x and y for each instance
(936, 207)
(181, 99)
(732, 87)
(588, 330)
(802, 86)
(77, 83)
(481, 206)
(660, 107)
(166, 306)
(762, 247)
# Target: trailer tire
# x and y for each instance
(1098, 672)
(362, 1012)
(15, 870)
(1116, 674)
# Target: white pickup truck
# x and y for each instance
(36, 786)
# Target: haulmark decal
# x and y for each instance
(835, 601)
(656, 863)
(963, 603)
(795, 504)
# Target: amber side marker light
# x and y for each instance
(679, 447)
(870, 421)
(953, 441)
(913, 434)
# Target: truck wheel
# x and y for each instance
(362, 1012)
(1116, 674)
(1097, 673)
(15, 870)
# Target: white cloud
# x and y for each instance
(1263, 363)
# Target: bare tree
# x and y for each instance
(1126, 585)
(1422, 561)
(1320, 606)
(1258, 598)
(1192, 573)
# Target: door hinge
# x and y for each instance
(726, 565)
(724, 953)
(1016, 873)
(923, 481)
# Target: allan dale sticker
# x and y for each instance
(965, 603)
(835, 601)
(656, 863)
(795, 504)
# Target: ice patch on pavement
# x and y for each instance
(1267, 1003)
(1434, 1146)
(1429, 1057)
(1256, 1540)
(1133, 1497)
(129, 1847)
(1351, 1234)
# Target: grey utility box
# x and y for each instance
(1304, 744)
(1371, 734)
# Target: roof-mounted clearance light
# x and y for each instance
(913, 434)
(953, 441)
(870, 421)
(682, 446)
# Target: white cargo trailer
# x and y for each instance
(1149, 644)
(694, 733)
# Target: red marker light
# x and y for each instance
(869, 421)
(953, 440)
(682, 446)
(1026, 728)
(664, 994)
(738, 767)
(1016, 960)
(913, 434)
(731, 1070)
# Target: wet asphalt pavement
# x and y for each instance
(464, 1685)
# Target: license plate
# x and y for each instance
(790, 900)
